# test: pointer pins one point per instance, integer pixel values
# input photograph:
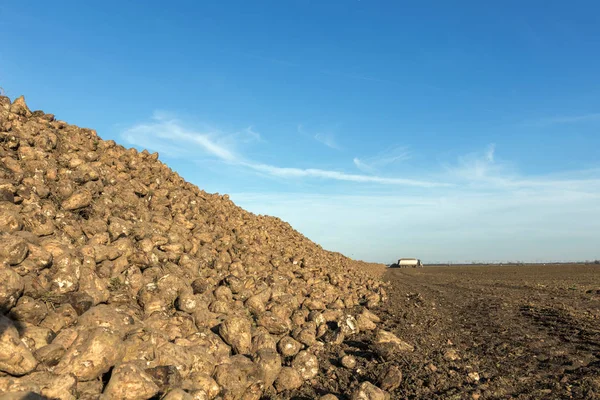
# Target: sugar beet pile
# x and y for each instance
(118, 279)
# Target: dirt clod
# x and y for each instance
(368, 391)
(451, 355)
(391, 379)
(348, 361)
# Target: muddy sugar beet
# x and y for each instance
(118, 279)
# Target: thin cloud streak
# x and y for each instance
(482, 170)
(383, 159)
(170, 131)
(478, 167)
(477, 170)
(361, 165)
(326, 138)
(339, 176)
(173, 136)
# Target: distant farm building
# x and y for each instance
(407, 262)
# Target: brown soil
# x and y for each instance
(529, 332)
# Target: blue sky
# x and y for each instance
(449, 131)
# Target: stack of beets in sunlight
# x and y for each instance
(118, 279)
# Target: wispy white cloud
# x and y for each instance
(340, 176)
(375, 163)
(489, 154)
(482, 170)
(477, 166)
(327, 138)
(247, 135)
(167, 134)
(363, 166)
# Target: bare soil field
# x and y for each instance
(489, 332)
